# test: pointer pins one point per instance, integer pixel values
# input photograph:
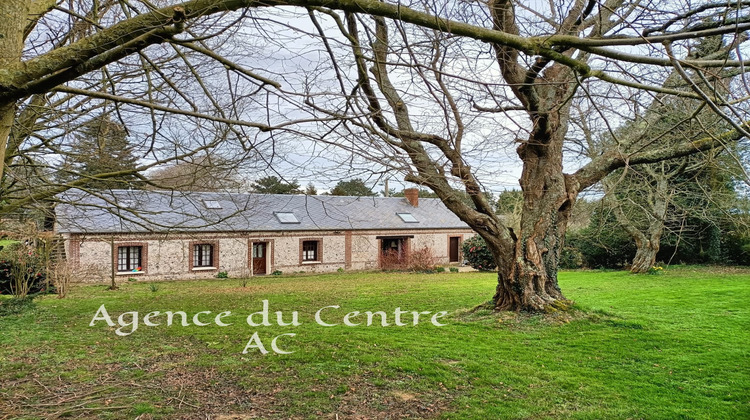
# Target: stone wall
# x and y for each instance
(168, 256)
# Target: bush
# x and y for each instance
(422, 260)
(22, 272)
(393, 260)
(277, 273)
(602, 248)
(736, 249)
(454, 269)
(440, 269)
(222, 275)
(571, 258)
(477, 254)
(60, 274)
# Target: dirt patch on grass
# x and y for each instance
(364, 400)
(166, 385)
(506, 319)
(176, 386)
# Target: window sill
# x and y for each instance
(204, 268)
(130, 273)
(312, 262)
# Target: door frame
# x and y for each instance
(269, 254)
(460, 241)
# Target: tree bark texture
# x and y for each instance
(529, 281)
(13, 18)
(645, 255)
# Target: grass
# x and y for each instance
(655, 347)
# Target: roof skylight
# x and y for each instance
(286, 217)
(212, 204)
(408, 217)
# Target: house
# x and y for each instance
(178, 235)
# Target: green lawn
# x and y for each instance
(674, 346)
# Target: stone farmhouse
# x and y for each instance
(180, 235)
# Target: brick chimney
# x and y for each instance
(412, 196)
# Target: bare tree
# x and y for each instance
(428, 104)
(205, 173)
(646, 198)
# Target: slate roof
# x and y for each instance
(121, 211)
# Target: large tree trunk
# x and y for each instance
(645, 255)
(528, 282)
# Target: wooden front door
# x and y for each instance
(259, 258)
(455, 242)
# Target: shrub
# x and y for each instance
(440, 269)
(277, 273)
(736, 249)
(60, 273)
(602, 248)
(571, 258)
(454, 269)
(422, 260)
(222, 275)
(23, 271)
(477, 254)
(393, 260)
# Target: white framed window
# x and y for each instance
(203, 255)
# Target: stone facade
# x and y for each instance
(172, 256)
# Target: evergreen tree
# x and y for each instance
(354, 187)
(274, 185)
(311, 190)
(99, 147)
